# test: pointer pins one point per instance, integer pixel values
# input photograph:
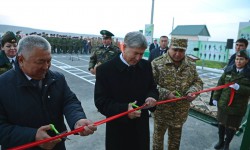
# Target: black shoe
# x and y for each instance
(219, 145)
(226, 147)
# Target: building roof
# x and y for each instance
(191, 30)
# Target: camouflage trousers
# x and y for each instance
(164, 121)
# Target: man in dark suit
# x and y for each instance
(124, 80)
(160, 50)
(153, 45)
(33, 96)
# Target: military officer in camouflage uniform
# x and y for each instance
(8, 52)
(103, 53)
(175, 75)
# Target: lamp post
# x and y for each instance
(152, 19)
(152, 12)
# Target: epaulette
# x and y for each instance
(158, 58)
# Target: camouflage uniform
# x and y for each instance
(101, 55)
(172, 116)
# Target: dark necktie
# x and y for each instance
(162, 51)
(12, 62)
(36, 83)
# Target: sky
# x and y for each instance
(221, 17)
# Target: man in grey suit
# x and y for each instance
(160, 50)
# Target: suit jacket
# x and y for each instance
(116, 86)
(155, 53)
(152, 46)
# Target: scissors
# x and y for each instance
(177, 94)
(53, 128)
(136, 106)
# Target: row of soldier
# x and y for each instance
(68, 44)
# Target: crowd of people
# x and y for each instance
(168, 74)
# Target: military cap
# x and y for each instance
(18, 32)
(242, 53)
(106, 34)
(179, 43)
(8, 37)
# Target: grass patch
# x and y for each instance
(211, 64)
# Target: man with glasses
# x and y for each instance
(175, 76)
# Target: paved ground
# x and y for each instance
(197, 135)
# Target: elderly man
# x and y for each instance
(120, 82)
(34, 97)
(175, 75)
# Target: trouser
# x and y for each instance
(221, 133)
(229, 136)
(174, 136)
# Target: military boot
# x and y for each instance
(221, 133)
(229, 136)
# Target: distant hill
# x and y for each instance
(4, 28)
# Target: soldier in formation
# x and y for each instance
(65, 43)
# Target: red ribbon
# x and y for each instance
(231, 96)
(32, 144)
